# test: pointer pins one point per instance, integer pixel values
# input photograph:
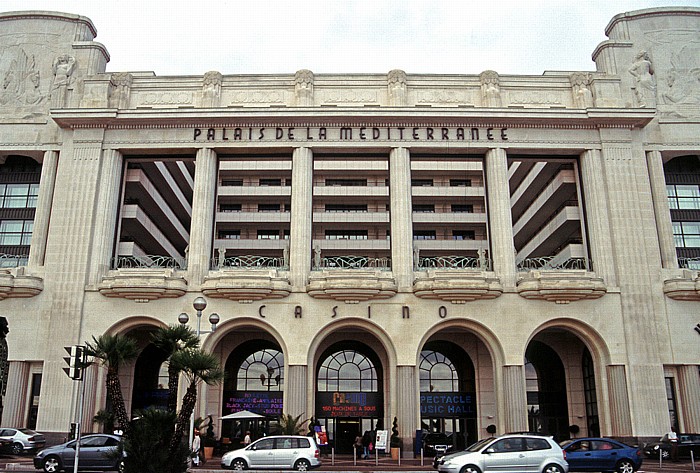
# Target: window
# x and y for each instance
(462, 234)
(686, 234)
(268, 207)
(346, 208)
(424, 208)
(424, 235)
(232, 182)
(16, 232)
(347, 370)
(671, 402)
(421, 182)
(230, 208)
(683, 196)
(460, 182)
(462, 208)
(346, 234)
(270, 182)
(268, 235)
(437, 372)
(18, 196)
(265, 444)
(537, 444)
(261, 370)
(347, 182)
(230, 235)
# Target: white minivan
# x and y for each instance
(278, 451)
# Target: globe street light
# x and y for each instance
(199, 305)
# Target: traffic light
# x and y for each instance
(76, 361)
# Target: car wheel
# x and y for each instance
(470, 469)
(302, 465)
(238, 464)
(665, 454)
(552, 469)
(52, 464)
(120, 467)
(17, 448)
(625, 466)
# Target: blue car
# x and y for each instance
(601, 454)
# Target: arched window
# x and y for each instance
(347, 370)
(262, 370)
(437, 372)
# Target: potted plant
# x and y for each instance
(395, 441)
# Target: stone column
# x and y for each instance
(401, 218)
(40, 233)
(106, 219)
(90, 375)
(295, 391)
(514, 400)
(407, 407)
(621, 422)
(202, 226)
(659, 197)
(596, 201)
(689, 395)
(500, 216)
(301, 217)
(15, 402)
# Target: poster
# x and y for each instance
(321, 435)
(380, 443)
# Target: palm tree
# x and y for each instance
(114, 351)
(198, 367)
(170, 339)
(291, 425)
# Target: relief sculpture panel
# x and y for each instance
(24, 84)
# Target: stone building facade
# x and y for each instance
(457, 251)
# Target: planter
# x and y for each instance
(395, 453)
(208, 453)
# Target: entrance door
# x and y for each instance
(345, 432)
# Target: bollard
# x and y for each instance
(660, 457)
(692, 459)
(421, 457)
(399, 457)
(376, 457)
(333, 456)
(354, 457)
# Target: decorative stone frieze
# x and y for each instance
(14, 283)
(143, 285)
(457, 286)
(351, 286)
(246, 285)
(304, 87)
(581, 89)
(396, 83)
(561, 287)
(684, 287)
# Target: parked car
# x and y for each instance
(22, 440)
(97, 452)
(5, 446)
(436, 443)
(521, 453)
(277, 451)
(686, 444)
(601, 454)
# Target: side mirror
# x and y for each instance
(489, 450)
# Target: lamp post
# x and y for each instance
(199, 305)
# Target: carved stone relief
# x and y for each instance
(581, 89)
(21, 82)
(396, 83)
(211, 89)
(120, 89)
(644, 86)
(167, 98)
(490, 89)
(63, 67)
(351, 96)
(304, 88)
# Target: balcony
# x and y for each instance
(561, 282)
(684, 285)
(14, 282)
(351, 279)
(456, 279)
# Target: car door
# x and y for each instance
(579, 455)
(93, 452)
(285, 450)
(261, 454)
(605, 454)
(507, 455)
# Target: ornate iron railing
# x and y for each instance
(454, 262)
(13, 261)
(689, 263)
(352, 262)
(249, 262)
(548, 262)
(149, 261)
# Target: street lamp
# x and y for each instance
(199, 305)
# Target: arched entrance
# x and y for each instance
(150, 380)
(349, 392)
(545, 381)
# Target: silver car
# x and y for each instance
(97, 452)
(513, 453)
(278, 452)
(23, 440)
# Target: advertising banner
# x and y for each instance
(454, 404)
(260, 402)
(345, 404)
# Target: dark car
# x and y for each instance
(436, 443)
(97, 452)
(686, 444)
(601, 454)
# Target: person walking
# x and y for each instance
(366, 440)
(246, 439)
(673, 439)
(357, 445)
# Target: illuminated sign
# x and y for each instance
(260, 402)
(348, 404)
(455, 404)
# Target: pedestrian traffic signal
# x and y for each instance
(76, 361)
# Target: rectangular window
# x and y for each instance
(230, 208)
(468, 208)
(683, 196)
(232, 182)
(230, 235)
(460, 182)
(268, 207)
(686, 234)
(270, 182)
(424, 235)
(424, 208)
(346, 208)
(19, 196)
(421, 182)
(268, 235)
(347, 182)
(346, 234)
(16, 232)
(462, 234)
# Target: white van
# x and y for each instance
(278, 451)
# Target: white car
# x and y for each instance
(514, 453)
(279, 452)
(23, 440)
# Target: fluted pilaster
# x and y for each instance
(689, 395)
(514, 400)
(300, 225)
(597, 222)
(407, 405)
(202, 227)
(401, 219)
(90, 376)
(500, 216)
(295, 392)
(662, 213)
(621, 423)
(40, 232)
(15, 402)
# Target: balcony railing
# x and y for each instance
(13, 261)
(352, 262)
(454, 262)
(550, 262)
(149, 261)
(249, 262)
(689, 263)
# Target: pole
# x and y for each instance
(199, 332)
(78, 429)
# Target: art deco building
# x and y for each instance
(455, 251)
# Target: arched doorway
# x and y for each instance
(545, 381)
(448, 393)
(150, 380)
(349, 392)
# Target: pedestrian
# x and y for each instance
(357, 445)
(196, 447)
(366, 440)
(246, 439)
(673, 439)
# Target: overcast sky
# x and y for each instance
(191, 37)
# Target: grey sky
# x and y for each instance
(185, 37)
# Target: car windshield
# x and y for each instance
(478, 445)
(27, 431)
